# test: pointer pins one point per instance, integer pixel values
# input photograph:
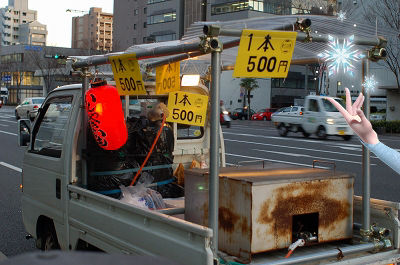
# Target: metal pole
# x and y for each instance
(214, 148)
(366, 174)
(306, 79)
(140, 54)
(327, 254)
(85, 87)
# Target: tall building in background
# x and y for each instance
(165, 20)
(145, 21)
(93, 31)
(33, 33)
(130, 23)
(13, 17)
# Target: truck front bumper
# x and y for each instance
(338, 130)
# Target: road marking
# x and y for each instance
(2, 257)
(298, 148)
(314, 157)
(293, 139)
(8, 121)
(273, 160)
(9, 133)
(11, 166)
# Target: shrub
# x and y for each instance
(389, 126)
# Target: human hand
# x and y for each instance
(356, 119)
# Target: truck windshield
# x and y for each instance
(328, 106)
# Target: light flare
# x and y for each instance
(341, 56)
(341, 15)
(370, 83)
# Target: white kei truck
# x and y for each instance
(229, 215)
(319, 117)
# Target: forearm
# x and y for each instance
(388, 155)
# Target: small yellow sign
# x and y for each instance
(264, 53)
(127, 76)
(168, 78)
(187, 108)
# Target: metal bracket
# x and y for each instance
(210, 44)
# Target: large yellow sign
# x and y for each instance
(127, 76)
(168, 78)
(264, 53)
(187, 108)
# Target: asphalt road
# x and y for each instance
(244, 141)
(12, 232)
(259, 140)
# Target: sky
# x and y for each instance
(53, 14)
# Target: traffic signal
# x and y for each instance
(55, 56)
(59, 56)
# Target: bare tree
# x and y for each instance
(48, 67)
(315, 7)
(386, 15)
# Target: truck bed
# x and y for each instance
(133, 230)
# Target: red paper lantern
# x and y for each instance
(106, 116)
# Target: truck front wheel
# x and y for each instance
(47, 236)
(321, 132)
(282, 130)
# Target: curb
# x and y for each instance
(2, 257)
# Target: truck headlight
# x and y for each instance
(330, 121)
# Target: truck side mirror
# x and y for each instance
(24, 132)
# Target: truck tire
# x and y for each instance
(282, 130)
(321, 133)
(347, 137)
(47, 236)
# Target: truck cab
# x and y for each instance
(323, 119)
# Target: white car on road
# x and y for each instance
(28, 108)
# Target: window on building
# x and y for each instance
(134, 26)
(15, 28)
(23, 21)
(15, 37)
(24, 13)
(162, 18)
(166, 37)
(16, 20)
(144, 25)
(155, 1)
(145, 10)
(16, 12)
(136, 12)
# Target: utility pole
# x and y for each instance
(89, 29)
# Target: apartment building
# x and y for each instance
(93, 31)
(33, 33)
(16, 15)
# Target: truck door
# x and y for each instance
(44, 167)
(311, 115)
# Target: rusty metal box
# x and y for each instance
(264, 209)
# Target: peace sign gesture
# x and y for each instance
(356, 119)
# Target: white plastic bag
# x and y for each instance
(142, 196)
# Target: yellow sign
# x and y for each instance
(264, 53)
(187, 108)
(168, 78)
(127, 75)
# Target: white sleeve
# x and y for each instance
(388, 155)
